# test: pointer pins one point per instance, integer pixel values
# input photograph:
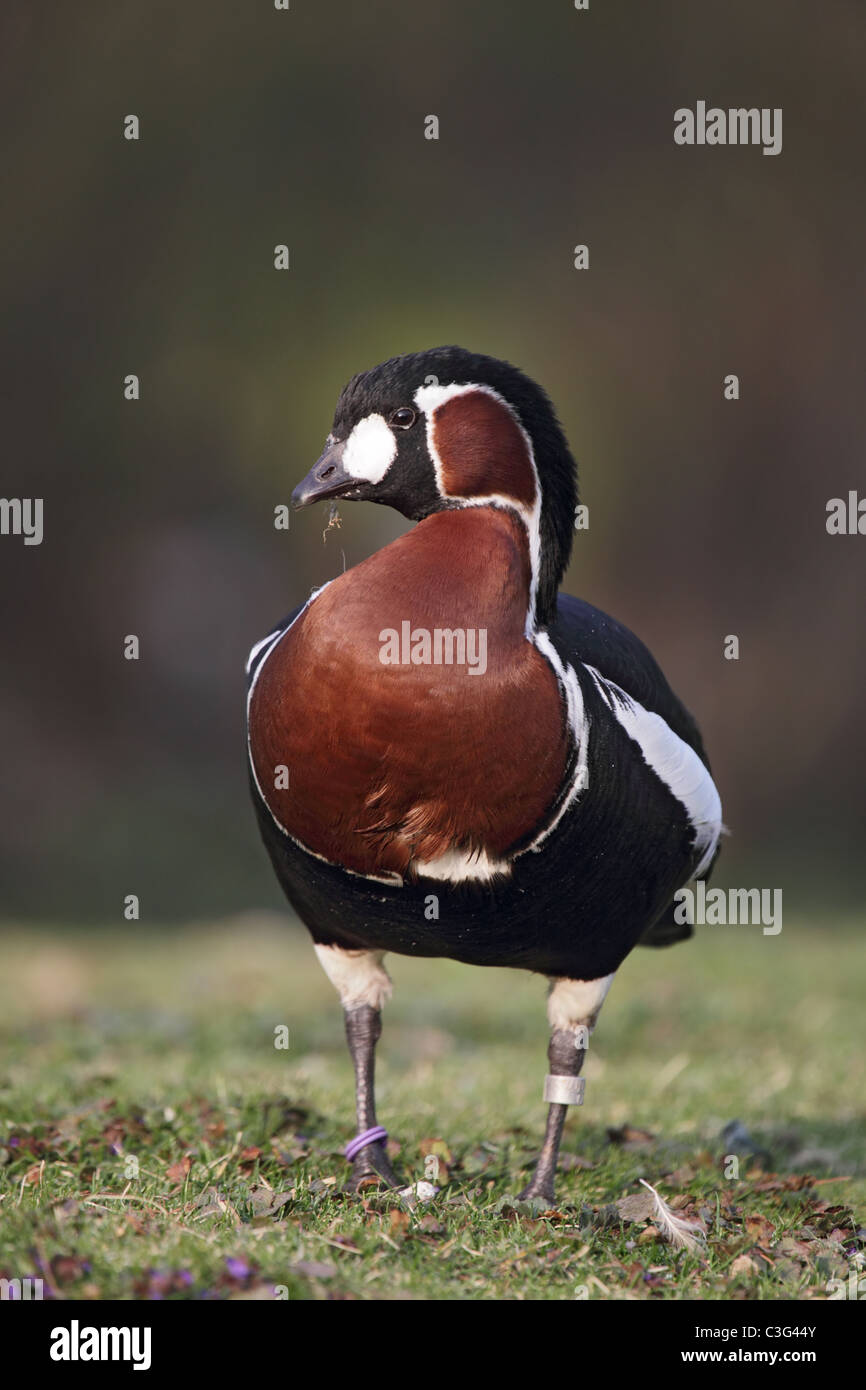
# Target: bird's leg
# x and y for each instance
(362, 983)
(363, 1030)
(572, 1007)
(562, 1088)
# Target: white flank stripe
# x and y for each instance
(578, 723)
(272, 640)
(259, 647)
(674, 762)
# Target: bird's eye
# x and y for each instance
(403, 418)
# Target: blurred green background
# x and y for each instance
(707, 517)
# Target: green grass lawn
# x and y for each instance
(155, 1142)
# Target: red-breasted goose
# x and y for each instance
(448, 757)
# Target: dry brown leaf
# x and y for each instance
(430, 1226)
(651, 1233)
(399, 1222)
(630, 1136)
(639, 1206)
(177, 1171)
(370, 1184)
(759, 1229)
(798, 1248)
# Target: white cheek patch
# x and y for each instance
(370, 450)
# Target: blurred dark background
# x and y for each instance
(306, 127)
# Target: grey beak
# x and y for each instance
(326, 478)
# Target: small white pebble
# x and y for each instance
(419, 1192)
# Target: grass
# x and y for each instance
(155, 1143)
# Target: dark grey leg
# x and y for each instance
(363, 1030)
(565, 1058)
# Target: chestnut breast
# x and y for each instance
(393, 756)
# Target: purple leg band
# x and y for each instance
(375, 1135)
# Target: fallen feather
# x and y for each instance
(674, 1228)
